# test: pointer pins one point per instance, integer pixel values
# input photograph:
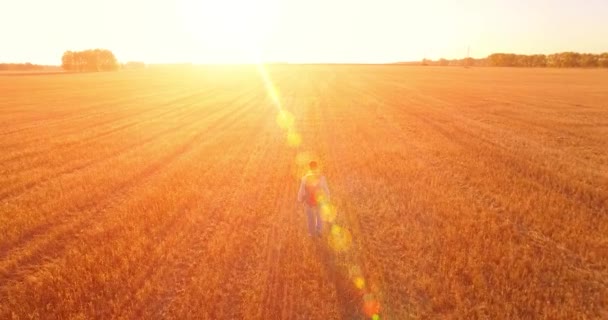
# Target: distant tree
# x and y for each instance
(539, 60)
(587, 60)
(556, 60)
(602, 60)
(495, 59)
(516, 60)
(468, 62)
(570, 59)
(89, 60)
(564, 60)
(553, 60)
(67, 60)
(20, 66)
(521, 60)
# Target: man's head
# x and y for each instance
(313, 166)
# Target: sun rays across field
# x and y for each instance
(285, 119)
(339, 239)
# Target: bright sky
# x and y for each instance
(233, 31)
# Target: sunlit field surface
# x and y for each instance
(171, 193)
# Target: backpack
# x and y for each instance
(313, 189)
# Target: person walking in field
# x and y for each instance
(313, 193)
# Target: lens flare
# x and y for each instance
(270, 88)
(340, 239)
(328, 212)
(371, 306)
(285, 120)
(274, 94)
(359, 282)
(321, 198)
(293, 139)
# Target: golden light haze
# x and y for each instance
(234, 31)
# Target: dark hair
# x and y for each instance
(312, 165)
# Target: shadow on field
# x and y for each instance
(347, 296)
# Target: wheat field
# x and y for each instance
(170, 193)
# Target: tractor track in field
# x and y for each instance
(110, 199)
(98, 135)
(544, 242)
(192, 238)
(321, 114)
(431, 117)
(233, 249)
(273, 281)
(222, 227)
(43, 123)
(21, 189)
(83, 140)
(234, 260)
(350, 300)
(82, 113)
(175, 129)
(491, 150)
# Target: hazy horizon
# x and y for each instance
(239, 31)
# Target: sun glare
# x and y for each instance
(240, 26)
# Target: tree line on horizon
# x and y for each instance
(21, 67)
(556, 60)
(89, 60)
(94, 60)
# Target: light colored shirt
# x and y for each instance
(322, 185)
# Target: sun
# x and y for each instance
(229, 25)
